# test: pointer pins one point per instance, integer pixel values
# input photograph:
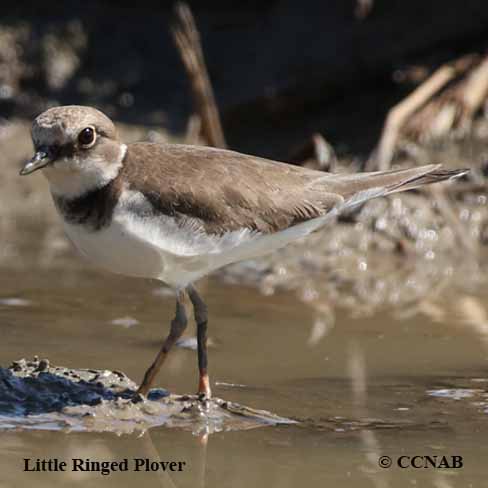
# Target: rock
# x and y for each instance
(35, 394)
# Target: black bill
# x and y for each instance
(40, 160)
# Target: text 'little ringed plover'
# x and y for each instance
(176, 212)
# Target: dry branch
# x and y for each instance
(475, 90)
(454, 107)
(187, 39)
(399, 114)
(315, 153)
(193, 130)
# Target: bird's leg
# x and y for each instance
(201, 318)
(178, 325)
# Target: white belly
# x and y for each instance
(117, 250)
(161, 248)
(153, 247)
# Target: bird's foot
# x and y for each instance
(204, 401)
(153, 395)
(137, 397)
(204, 396)
(204, 386)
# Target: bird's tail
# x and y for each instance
(358, 188)
(425, 175)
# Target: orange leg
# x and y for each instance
(178, 325)
(201, 318)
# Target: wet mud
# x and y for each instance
(36, 395)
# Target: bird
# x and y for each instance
(176, 212)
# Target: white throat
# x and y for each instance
(73, 177)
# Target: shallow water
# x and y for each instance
(395, 384)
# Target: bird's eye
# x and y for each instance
(87, 137)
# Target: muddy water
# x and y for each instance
(391, 384)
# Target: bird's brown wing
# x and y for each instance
(225, 190)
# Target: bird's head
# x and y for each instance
(77, 148)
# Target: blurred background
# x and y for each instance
(373, 332)
(281, 70)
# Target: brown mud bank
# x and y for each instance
(37, 395)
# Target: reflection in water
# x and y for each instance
(324, 317)
(102, 449)
(202, 460)
(164, 478)
(473, 313)
(359, 386)
(442, 480)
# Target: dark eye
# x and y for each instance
(87, 136)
